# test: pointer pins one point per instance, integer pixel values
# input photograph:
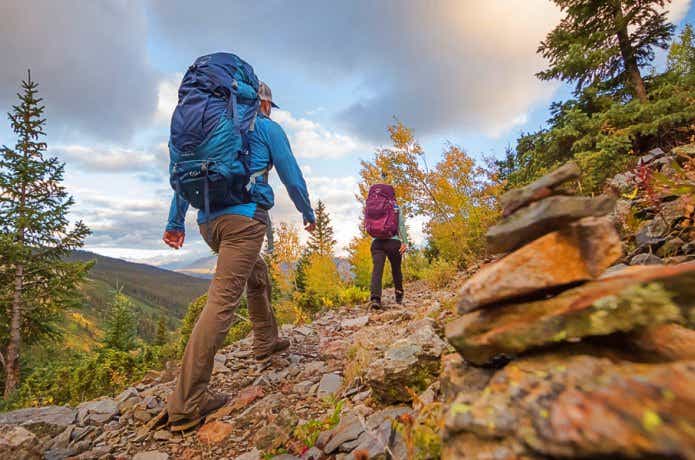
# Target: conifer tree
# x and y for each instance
(605, 42)
(121, 324)
(35, 237)
(321, 240)
(161, 336)
(681, 55)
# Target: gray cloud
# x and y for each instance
(90, 59)
(439, 65)
(435, 65)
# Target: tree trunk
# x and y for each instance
(632, 73)
(12, 361)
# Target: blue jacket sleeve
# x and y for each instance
(289, 172)
(177, 214)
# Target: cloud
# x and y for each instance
(106, 158)
(437, 66)
(90, 59)
(168, 96)
(310, 140)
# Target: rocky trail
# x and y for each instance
(577, 341)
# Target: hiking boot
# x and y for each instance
(399, 297)
(375, 304)
(280, 344)
(211, 402)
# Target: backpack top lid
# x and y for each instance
(204, 97)
(385, 190)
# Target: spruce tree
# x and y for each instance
(605, 42)
(34, 237)
(321, 241)
(161, 336)
(121, 324)
(681, 55)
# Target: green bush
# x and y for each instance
(353, 295)
(238, 331)
(439, 273)
(83, 376)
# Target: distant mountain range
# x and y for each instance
(201, 268)
(172, 291)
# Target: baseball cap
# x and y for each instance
(266, 94)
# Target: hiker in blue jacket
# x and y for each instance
(236, 233)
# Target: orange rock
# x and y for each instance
(214, 432)
(627, 301)
(670, 341)
(242, 401)
(578, 253)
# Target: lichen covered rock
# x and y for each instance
(621, 303)
(412, 362)
(584, 406)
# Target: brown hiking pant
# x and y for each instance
(238, 241)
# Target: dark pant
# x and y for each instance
(381, 249)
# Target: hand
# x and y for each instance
(310, 227)
(403, 248)
(174, 238)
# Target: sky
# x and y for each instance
(458, 71)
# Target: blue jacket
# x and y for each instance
(268, 147)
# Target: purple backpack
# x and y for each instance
(380, 214)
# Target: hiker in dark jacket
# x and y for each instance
(236, 233)
(392, 249)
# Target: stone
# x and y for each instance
(242, 400)
(669, 341)
(412, 362)
(314, 453)
(253, 454)
(214, 432)
(544, 216)
(623, 182)
(652, 155)
(469, 446)
(63, 439)
(303, 388)
(579, 252)
(541, 188)
(459, 377)
(48, 420)
(98, 411)
(626, 301)
(373, 444)
(270, 437)
(646, 259)
(670, 247)
(585, 406)
(142, 416)
(18, 443)
(348, 429)
(358, 322)
(329, 385)
(651, 233)
(162, 435)
(151, 455)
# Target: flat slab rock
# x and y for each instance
(541, 188)
(579, 252)
(545, 216)
(630, 299)
(585, 406)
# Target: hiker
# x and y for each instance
(233, 213)
(385, 223)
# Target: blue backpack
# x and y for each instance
(208, 148)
